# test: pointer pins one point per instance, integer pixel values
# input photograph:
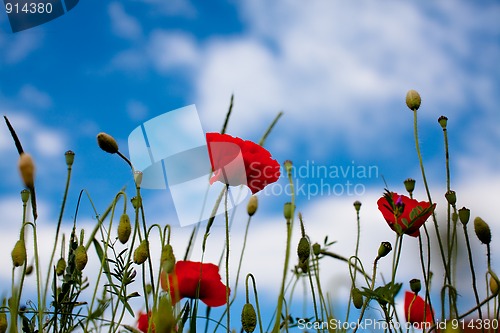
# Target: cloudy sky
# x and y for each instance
(338, 70)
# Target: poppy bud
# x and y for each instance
(443, 121)
(248, 318)
(149, 289)
(316, 249)
(18, 253)
(464, 215)
(29, 269)
(60, 266)
(482, 230)
(141, 254)
(494, 285)
(25, 195)
(107, 143)
(413, 100)
(384, 249)
(124, 228)
(409, 185)
(451, 197)
(70, 157)
(303, 249)
(287, 210)
(252, 206)
(357, 298)
(27, 169)
(167, 259)
(136, 202)
(81, 257)
(3, 322)
(357, 205)
(415, 285)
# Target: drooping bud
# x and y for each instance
(60, 266)
(81, 257)
(248, 318)
(443, 121)
(413, 100)
(316, 249)
(252, 205)
(384, 249)
(451, 197)
(107, 143)
(303, 249)
(415, 285)
(482, 230)
(124, 228)
(70, 157)
(141, 253)
(464, 215)
(18, 253)
(357, 205)
(288, 210)
(409, 185)
(167, 259)
(357, 298)
(27, 170)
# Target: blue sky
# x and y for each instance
(338, 70)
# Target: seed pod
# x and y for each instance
(451, 197)
(303, 249)
(141, 254)
(81, 257)
(19, 253)
(357, 298)
(443, 121)
(413, 100)
(384, 249)
(124, 228)
(248, 318)
(316, 249)
(27, 170)
(357, 205)
(415, 285)
(409, 185)
(70, 157)
(464, 215)
(107, 143)
(482, 230)
(253, 203)
(287, 210)
(167, 259)
(60, 266)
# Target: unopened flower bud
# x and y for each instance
(384, 249)
(454, 217)
(357, 298)
(27, 170)
(149, 289)
(413, 100)
(25, 195)
(316, 249)
(60, 266)
(443, 121)
(415, 285)
(70, 157)
(248, 318)
(409, 185)
(464, 215)
(303, 249)
(167, 259)
(357, 205)
(288, 210)
(451, 197)
(252, 205)
(482, 230)
(18, 253)
(124, 228)
(107, 143)
(29, 270)
(81, 257)
(3, 322)
(494, 287)
(141, 254)
(136, 202)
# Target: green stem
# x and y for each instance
(472, 271)
(228, 305)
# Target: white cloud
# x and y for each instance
(136, 110)
(183, 8)
(170, 50)
(31, 95)
(19, 46)
(123, 24)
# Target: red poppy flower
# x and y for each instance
(184, 281)
(414, 312)
(143, 322)
(240, 162)
(404, 215)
